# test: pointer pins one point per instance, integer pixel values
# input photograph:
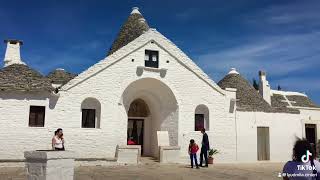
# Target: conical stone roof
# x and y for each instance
(248, 99)
(60, 76)
(130, 30)
(19, 77)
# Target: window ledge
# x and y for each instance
(91, 129)
(141, 69)
(35, 127)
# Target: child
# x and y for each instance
(193, 149)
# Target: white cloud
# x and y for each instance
(278, 55)
(293, 12)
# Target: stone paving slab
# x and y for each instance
(155, 171)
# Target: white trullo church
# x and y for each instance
(144, 85)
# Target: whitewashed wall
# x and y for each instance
(107, 86)
(229, 132)
(16, 137)
(283, 130)
(311, 116)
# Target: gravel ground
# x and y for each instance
(150, 170)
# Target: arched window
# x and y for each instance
(201, 118)
(91, 110)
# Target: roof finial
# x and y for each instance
(60, 69)
(233, 71)
(135, 10)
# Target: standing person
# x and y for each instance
(309, 170)
(62, 139)
(57, 140)
(204, 148)
(193, 149)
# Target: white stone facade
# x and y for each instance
(115, 83)
(174, 93)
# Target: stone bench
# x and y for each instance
(49, 165)
(128, 154)
(169, 154)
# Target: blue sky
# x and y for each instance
(281, 37)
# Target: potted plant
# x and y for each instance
(211, 153)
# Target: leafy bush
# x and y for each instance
(213, 152)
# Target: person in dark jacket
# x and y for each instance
(204, 148)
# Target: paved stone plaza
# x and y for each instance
(154, 171)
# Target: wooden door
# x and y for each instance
(263, 143)
(311, 133)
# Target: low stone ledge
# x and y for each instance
(49, 165)
(129, 147)
(170, 147)
(169, 154)
(49, 154)
(128, 154)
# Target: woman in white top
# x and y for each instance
(58, 141)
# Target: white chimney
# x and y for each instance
(12, 55)
(264, 87)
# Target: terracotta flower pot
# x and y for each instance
(210, 160)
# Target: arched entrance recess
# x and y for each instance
(151, 104)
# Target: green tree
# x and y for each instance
(255, 84)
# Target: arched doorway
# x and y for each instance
(138, 112)
(150, 103)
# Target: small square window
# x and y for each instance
(36, 116)
(88, 118)
(151, 59)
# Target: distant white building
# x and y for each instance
(144, 85)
